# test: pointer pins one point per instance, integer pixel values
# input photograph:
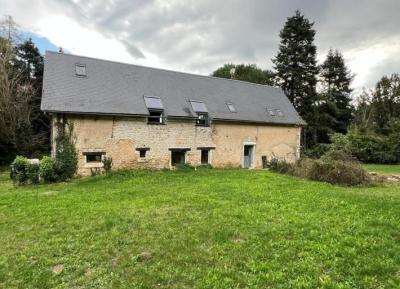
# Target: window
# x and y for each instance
(155, 117)
(231, 107)
(204, 157)
(178, 155)
(271, 112)
(279, 112)
(153, 102)
(93, 157)
(199, 106)
(142, 152)
(156, 110)
(202, 113)
(80, 69)
(202, 120)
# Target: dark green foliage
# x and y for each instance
(336, 79)
(107, 164)
(245, 72)
(46, 170)
(370, 147)
(24, 129)
(280, 166)
(336, 166)
(33, 173)
(66, 159)
(316, 151)
(296, 69)
(19, 170)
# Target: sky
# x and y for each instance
(199, 36)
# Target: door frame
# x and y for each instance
(253, 154)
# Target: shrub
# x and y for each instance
(46, 170)
(280, 166)
(33, 173)
(370, 147)
(66, 159)
(317, 151)
(107, 164)
(19, 170)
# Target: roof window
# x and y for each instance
(279, 112)
(199, 106)
(153, 102)
(271, 112)
(231, 107)
(80, 69)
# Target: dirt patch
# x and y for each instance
(57, 269)
(48, 193)
(393, 178)
(144, 256)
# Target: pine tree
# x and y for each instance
(296, 69)
(336, 79)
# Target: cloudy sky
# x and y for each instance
(200, 35)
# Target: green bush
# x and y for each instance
(66, 159)
(19, 170)
(33, 173)
(46, 170)
(280, 166)
(107, 164)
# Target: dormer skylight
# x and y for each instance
(156, 110)
(80, 69)
(198, 106)
(202, 113)
(231, 107)
(153, 102)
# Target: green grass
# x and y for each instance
(382, 169)
(203, 229)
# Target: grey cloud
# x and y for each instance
(199, 36)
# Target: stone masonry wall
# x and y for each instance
(119, 137)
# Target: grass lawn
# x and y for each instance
(383, 169)
(203, 229)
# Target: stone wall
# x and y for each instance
(120, 137)
(281, 142)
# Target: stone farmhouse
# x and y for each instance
(153, 118)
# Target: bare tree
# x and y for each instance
(9, 30)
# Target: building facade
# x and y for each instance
(174, 118)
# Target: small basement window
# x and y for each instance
(94, 157)
(80, 69)
(231, 107)
(142, 152)
(204, 157)
(178, 155)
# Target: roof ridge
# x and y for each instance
(162, 69)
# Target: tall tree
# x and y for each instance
(296, 69)
(385, 101)
(245, 72)
(336, 79)
(29, 63)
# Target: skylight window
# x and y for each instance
(279, 112)
(199, 106)
(80, 69)
(271, 112)
(153, 102)
(231, 107)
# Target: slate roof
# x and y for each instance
(113, 88)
